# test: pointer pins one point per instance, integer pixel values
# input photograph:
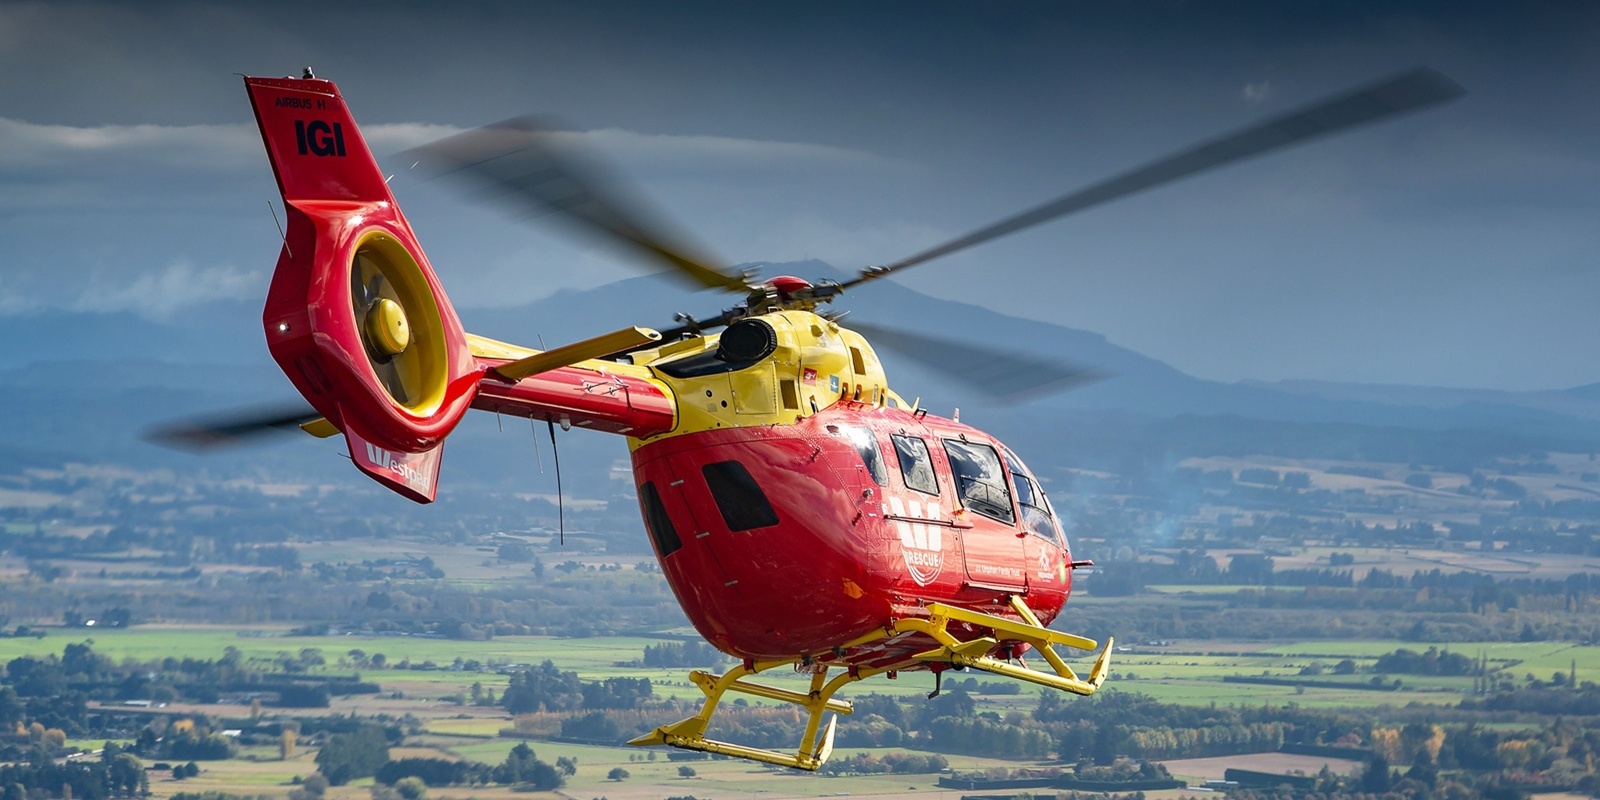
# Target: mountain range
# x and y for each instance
(86, 384)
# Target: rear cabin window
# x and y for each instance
(657, 522)
(980, 480)
(915, 465)
(743, 505)
(866, 446)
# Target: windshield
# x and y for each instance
(1037, 516)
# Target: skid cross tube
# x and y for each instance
(690, 734)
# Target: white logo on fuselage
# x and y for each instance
(921, 544)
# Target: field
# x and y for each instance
(1172, 673)
(1212, 769)
(647, 778)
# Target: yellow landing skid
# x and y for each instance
(690, 733)
(974, 653)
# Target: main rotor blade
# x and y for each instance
(1410, 91)
(522, 161)
(231, 430)
(1001, 374)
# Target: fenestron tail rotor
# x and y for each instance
(385, 330)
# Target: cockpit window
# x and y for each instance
(867, 446)
(980, 480)
(915, 464)
(1037, 517)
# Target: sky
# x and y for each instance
(1454, 247)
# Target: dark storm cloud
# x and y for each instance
(1454, 247)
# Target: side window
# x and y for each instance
(915, 464)
(867, 446)
(980, 480)
(743, 505)
(1036, 516)
(657, 522)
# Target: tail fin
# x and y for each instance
(355, 316)
(316, 150)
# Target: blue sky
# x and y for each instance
(1456, 247)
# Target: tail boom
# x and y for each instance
(597, 396)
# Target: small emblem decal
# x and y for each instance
(809, 377)
(1045, 572)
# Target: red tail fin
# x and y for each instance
(316, 151)
(356, 317)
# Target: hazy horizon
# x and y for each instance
(1446, 248)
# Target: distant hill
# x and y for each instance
(86, 384)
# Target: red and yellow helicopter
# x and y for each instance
(802, 511)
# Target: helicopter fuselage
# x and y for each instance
(792, 540)
(794, 501)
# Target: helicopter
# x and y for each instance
(803, 512)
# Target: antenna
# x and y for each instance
(533, 425)
(561, 510)
(281, 234)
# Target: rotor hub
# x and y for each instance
(788, 285)
(387, 328)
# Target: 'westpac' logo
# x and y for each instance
(319, 138)
(398, 465)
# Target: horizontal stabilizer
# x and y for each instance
(569, 354)
(320, 428)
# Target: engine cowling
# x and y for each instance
(355, 316)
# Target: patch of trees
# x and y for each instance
(1431, 662)
(562, 607)
(546, 688)
(357, 754)
(1554, 701)
(213, 795)
(521, 767)
(434, 771)
(982, 736)
(79, 672)
(517, 553)
(891, 763)
(115, 774)
(593, 727)
(974, 686)
(666, 655)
